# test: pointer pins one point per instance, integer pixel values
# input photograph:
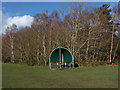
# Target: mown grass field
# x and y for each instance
(20, 76)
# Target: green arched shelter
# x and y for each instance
(61, 55)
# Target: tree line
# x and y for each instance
(88, 34)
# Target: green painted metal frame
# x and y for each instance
(56, 56)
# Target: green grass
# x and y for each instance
(20, 76)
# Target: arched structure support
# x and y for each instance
(61, 57)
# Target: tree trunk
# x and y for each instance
(38, 51)
(12, 52)
(115, 51)
(50, 42)
(12, 48)
(94, 51)
(21, 55)
(38, 56)
(44, 50)
(88, 45)
(111, 45)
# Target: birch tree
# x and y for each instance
(11, 33)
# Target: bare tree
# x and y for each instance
(11, 33)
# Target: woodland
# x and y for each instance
(88, 33)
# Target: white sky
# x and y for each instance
(20, 21)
